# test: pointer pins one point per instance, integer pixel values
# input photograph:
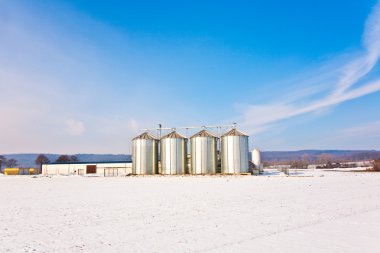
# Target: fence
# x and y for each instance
(113, 171)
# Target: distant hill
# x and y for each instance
(28, 160)
(314, 155)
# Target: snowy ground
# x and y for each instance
(312, 211)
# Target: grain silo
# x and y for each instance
(234, 152)
(173, 154)
(256, 158)
(203, 150)
(145, 154)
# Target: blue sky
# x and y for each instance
(86, 76)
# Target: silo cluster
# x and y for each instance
(202, 158)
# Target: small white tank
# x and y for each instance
(256, 158)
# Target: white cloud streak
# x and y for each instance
(371, 129)
(257, 118)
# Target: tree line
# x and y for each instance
(316, 157)
(41, 159)
(11, 163)
(302, 161)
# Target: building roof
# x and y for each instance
(234, 132)
(145, 136)
(203, 133)
(102, 162)
(174, 135)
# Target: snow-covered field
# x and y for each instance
(312, 211)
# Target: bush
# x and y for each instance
(376, 165)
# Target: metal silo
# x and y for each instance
(234, 149)
(203, 147)
(173, 154)
(145, 154)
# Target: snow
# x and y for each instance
(310, 211)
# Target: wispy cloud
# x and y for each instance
(360, 136)
(344, 84)
(371, 129)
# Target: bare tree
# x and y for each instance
(295, 164)
(324, 159)
(63, 159)
(376, 165)
(3, 160)
(42, 159)
(11, 163)
(305, 158)
(73, 158)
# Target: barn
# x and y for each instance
(118, 168)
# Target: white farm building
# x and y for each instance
(120, 168)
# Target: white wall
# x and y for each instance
(74, 168)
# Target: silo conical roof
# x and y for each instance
(173, 135)
(234, 132)
(203, 133)
(145, 136)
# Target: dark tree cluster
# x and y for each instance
(42, 159)
(66, 159)
(2, 160)
(11, 163)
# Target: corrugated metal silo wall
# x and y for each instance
(145, 156)
(235, 152)
(203, 155)
(173, 156)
